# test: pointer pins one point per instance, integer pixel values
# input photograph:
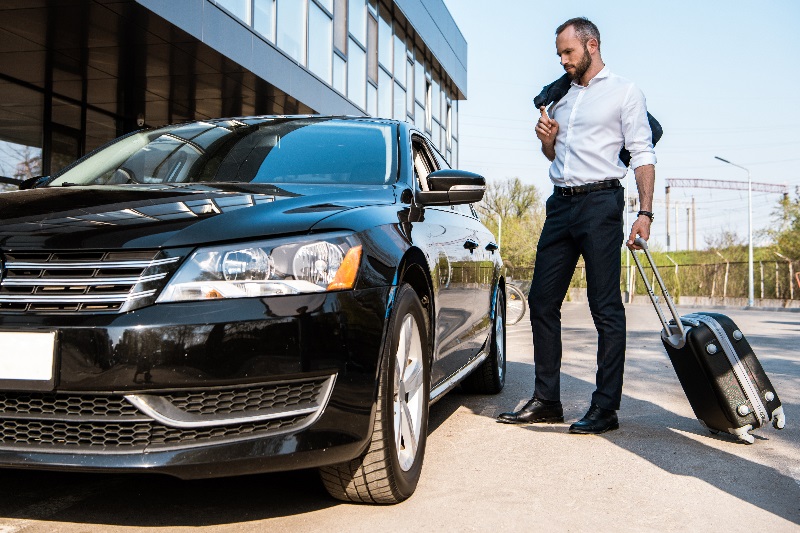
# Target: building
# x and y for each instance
(75, 74)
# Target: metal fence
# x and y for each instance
(771, 279)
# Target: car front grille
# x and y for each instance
(82, 282)
(116, 424)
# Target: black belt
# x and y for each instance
(589, 187)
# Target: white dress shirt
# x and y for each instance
(594, 123)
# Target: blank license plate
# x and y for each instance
(26, 356)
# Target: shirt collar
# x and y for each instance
(600, 75)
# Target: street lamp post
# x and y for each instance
(750, 301)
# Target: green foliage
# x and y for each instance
(521, 209)
(787, 237)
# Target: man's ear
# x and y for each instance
(592, 45)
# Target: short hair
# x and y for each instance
(584, 27)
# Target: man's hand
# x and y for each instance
(546, 130)
(641, 227)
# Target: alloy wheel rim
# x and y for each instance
(500, 344)
(408, 393)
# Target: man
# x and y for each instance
(582, 136)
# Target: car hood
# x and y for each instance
(141, 216)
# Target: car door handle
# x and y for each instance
(470, 245)
(492, 247)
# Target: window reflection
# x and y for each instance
(339, 74)
(357, 74)
(357, 15)
(385, 41)
(385, 95)
(292, 29)
(399, 111)
(239, 8)
(264, 18)
(399, 58)
(320, 43)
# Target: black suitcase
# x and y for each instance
(721, 376)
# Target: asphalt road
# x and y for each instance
(659, 472)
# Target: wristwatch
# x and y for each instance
(648, 214)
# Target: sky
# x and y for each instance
(721, 77)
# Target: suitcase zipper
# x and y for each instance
(739, 371)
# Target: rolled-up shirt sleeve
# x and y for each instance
(636, 129)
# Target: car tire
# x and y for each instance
(389, 470)
(490, 376)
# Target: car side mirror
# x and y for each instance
(452, 187)
(31, 183)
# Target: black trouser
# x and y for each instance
(589, 225)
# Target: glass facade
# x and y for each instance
(361, 49)
(366, 50)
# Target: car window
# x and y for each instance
(424, 156)
(308, 150)
(423, 165)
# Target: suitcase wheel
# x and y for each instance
(778, 418)
(743, 433)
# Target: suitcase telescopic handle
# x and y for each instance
(676, 335)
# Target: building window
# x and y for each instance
(340, 26)
(399, 102)
(455, 118)
(449, 127)
(419, 117)
(339, 74)
(327, 4)
(435, 99)
(264, 18)
(385, 95)
(400, 58)
(419, 78)
(410, 87)
(372, 100)
(239, 8)
(385, 40)
(428, 116)
(292, 28)
(357, 74)
(357, 15)
(372, 48)
(320, 43)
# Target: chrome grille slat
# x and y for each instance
(77, 299)
(82, 282)
(74, 265)
(90, 282)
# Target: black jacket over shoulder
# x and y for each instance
(558, 89)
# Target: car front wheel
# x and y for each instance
(389, 470)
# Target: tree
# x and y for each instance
(787, 236)
(520, 208)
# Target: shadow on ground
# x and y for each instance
(668, 440)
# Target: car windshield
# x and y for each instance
(310, 150)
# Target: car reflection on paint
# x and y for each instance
(246, 295)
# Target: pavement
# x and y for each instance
(661, 471)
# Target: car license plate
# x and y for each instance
(26, 359)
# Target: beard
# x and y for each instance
(582, 66)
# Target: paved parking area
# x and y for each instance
(660, 472)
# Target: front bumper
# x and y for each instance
(203, 389)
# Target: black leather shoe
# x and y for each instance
(534, 411)
(597, 420)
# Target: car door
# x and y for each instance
(457, 241)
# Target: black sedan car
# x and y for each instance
(246, 295)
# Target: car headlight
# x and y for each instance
(267, 268)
